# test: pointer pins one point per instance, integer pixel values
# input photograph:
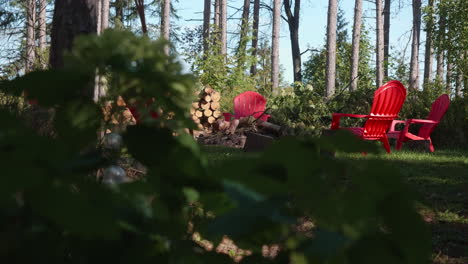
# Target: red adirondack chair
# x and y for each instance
(387, 103)
(248, 104)
(438, 109)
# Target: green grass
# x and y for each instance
(441, 181)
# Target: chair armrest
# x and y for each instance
(337, 116)
(421, 121)
(414, 121)
(394, 123)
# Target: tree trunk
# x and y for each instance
(440, 47)
(275, 44)
(216, 14)
(256, 17)
(30, 36)
(459, 80)
(99, 16)
(71, 18)
(414, 63)
(97, 77)
(386, 12)
(448, 77)
(105, 15)
(293, 23)
(331, 48)
(355, 44)
(166, 23)
(42, 31)
(140, 6)
(100, 89)
(243, 35)
(223, 25)
(206, 26)
(429, 50)
(379, 44)
(118, 20)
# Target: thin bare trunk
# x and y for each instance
(429, 49)
(97, 77)
(99, 16)
(448, 77)
(331, 48)
(459, 80)
(223, 25)
(275, 44)
(379, 44)
(30, 36)
(386, 12)
(166, 23)
(293, 23)
(256, 17)
(440, 48)
(105, 15)
(140, 5)
(42, 31)
(206, 26)
(414, 63)
(216, 13)
(355, 45)
(241, 50)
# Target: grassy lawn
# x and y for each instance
(441, 181)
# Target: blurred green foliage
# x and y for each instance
(53, 209)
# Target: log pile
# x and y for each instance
(235, 133)
(206, 110)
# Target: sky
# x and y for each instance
(312, 25)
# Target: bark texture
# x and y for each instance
(41, 21)
(386, 12)
(206, 25)
(414, 63)
(440, 48)
(71, 18)
(104, 15)
(331, 48)
(140, 5)
(256, 18)
(30, 34)
(275, 44)
(166, 23)
(379, 44)
(293, 23)
(429, 49)
(241, 50)
(223, 25)
(216, 13)
(355, 44)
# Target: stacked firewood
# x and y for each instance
(206, 110)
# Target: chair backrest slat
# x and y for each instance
(438, 110)
(388, 100)
(249, 104)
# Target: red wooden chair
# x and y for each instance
(249, 104)
(387, 103)
(438, 109)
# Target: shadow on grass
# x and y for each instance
(441, 182)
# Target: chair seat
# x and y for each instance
(413, 136)
(358, 131)
(393, 134)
